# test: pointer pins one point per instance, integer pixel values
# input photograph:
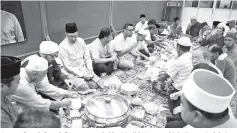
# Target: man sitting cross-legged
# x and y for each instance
(104, 59)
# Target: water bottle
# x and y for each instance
(62, 116)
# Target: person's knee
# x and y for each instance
(104, 68)
(175, 124)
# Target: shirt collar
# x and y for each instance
(100, 42)
(122, 37)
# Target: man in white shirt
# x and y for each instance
(122, 46)
(205, 101)
(179, 71)
(33, 81)
(141, 49)
(104, 59)
(152, 37)
(142, 24)
(75, 57)
(11, 31)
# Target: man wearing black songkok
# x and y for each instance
(10, 77)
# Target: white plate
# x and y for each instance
(129, 88)
(75, 103)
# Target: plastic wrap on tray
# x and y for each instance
(133, 123)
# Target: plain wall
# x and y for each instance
(126, 12)
(154, 9)
(90, 17)
(31, 12)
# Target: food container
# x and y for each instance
(129, 89)
(107, 111)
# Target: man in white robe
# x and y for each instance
(75, 57)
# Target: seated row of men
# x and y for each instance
(196, 88)
(84, 64)
(39, 72)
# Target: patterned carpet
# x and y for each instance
(145, 93)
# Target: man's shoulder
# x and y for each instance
(235, 50)
(79, 39)
(185, 56)
(63, 43)
(94, 44)
(185, 59)
(117, 38)
(138, 23)
(7, 14)
(228, 59)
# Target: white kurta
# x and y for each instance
(26, 93)
(76, 57)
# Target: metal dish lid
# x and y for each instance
(107, 106)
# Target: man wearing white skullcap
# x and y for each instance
(205, 100)
(179, 71)
(49, 51)
(34, 81)
(216, 36)
(231, 24)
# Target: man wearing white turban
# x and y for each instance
(205, 101)
(33, 81)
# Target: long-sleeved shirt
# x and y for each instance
(75, 57)
(54, 71)
(215, 39)
(8, 113)
(193, 30)
(232, 54)
(227, 67)
(26, 92)
(11, 31)
(176, 29)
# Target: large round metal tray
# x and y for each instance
(107, 110)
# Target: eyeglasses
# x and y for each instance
(53, 56)
(130, 30)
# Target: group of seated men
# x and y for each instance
(38, 81)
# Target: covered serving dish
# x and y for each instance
(107, 110)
